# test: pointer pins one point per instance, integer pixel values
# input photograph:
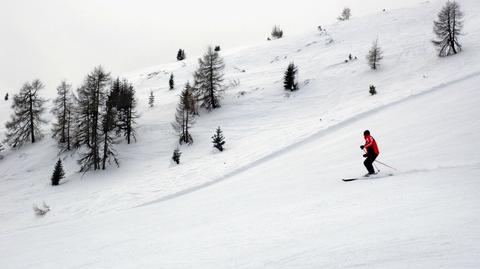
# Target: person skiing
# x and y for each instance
(371, 152)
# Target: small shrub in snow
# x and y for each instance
(372, 90)
(290, 78)
(218, 139)
(448, 28)
(176, 156)
(58, 173)
(277, 32)
(345, 15)
(41, 211)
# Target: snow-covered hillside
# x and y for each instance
(274, 197)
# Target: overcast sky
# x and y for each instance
(64, 39)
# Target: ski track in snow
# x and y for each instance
(314, 137)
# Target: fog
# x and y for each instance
(64, 39)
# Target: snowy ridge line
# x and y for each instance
(311, 138)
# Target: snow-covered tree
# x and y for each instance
(277, 32)
(26, 120)
(218, 139)
(374, 56)
(345, 15)
(448, 28)
(209, 78)
(290, 78)
(151, 99)
(171, 82)
(63, 110)
(58, 173)
(184, 117)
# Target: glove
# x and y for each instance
(365, 155)
(362, 147)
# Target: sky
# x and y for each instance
(65, 39)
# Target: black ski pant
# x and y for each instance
(369, 163)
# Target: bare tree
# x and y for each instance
(375, 55)
(63, 110)
(448, 28)
(184, 117)
(26, 120)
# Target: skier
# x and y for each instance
(371, 152)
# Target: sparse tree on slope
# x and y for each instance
(151, 99)
(448, 28)
(277, 32)
(123, 99)
(171, 82)
(209, 78)
(375, 55)
(63, 110)
(184, 117)
(6, 96)
(181, 55)
(25, 123)
(176, 156)
(92, 98)
(290, 78)
(345, 15)
(108, 126)
(218, 139)
(58, 173)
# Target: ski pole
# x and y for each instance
(386, 165)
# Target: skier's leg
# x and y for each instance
(369, 164)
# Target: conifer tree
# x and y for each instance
(63, 110)
(151, 99)
(92, 98)
(217, 48)
(290, 78)
(171, 82)
(176, 156)
(181, 55)
(108, 126)
(375, 55)
(58, 173)
(209, 78)
(218, 140)
(6, 96)
(372, 90)
(123, 99)
(26, 120)
(345, 15)
(184, 117)
(448, 28)
(277, 32)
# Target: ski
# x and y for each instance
(369, 177)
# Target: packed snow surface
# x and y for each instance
(274, 198)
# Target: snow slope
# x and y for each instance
(279, 201)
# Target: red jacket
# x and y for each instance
(371, 145)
